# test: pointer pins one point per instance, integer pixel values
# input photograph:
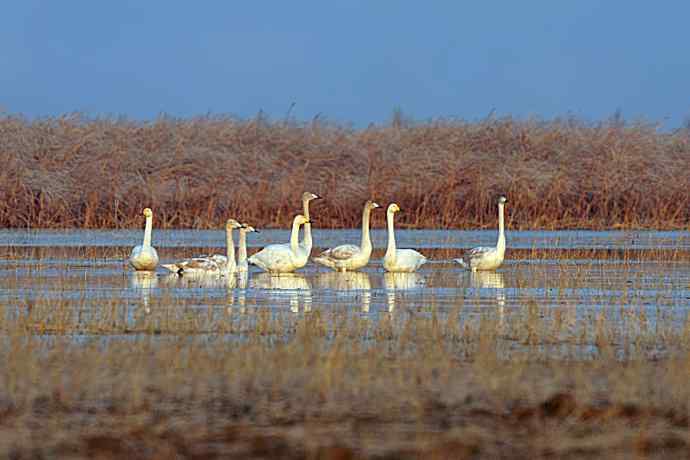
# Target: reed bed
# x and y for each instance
(78, 172)
(262, 383)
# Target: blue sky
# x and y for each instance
(349, 61)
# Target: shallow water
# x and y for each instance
(580, 287)
(432, 239)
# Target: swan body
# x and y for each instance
(349, 256)
(399, 260)
(307, 243)
(283, 258)
(214, 264)
(242, 264)
(144, 257)
(487, 257)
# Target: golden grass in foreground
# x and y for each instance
(338, 385)
(72, 171)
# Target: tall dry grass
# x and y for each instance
(73, 171)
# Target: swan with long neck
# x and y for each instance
(349, 256)
(399, 260)
(307, 242)
(283, 258)
(144, 257)
(214, 264)
(491, 257)
(242, 264)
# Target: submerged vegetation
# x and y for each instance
(72, 171)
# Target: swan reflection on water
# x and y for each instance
(297, 288)
(143, 282)
(397, 283)
(238, 297)
(351, 284)
(496, 282)
(490, 280)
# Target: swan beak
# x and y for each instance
(317, 197)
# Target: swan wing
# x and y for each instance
(193, 265)
(342, 252)
(475, 256)
(479, 251)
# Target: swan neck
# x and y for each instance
(294, 237)
(501, 244)
(231, 249)
(147, 231)
(307, 227)
(390, 252)
(242, 251)
(366, 238)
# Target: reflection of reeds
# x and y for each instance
(98, 173)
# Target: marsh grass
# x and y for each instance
(416, 383)
(76, 172)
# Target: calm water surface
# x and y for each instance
(431, 239)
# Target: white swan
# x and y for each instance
(306, 198)
(213, 264)
(349, 256)
(242, 264)
(485, 257)
(283, 258)
(144, 257)
(399, 260)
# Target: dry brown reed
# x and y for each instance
(73, 171)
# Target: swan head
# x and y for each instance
(308, 196)
(502, 200)
(372, 205)
(301, 220)
(393, 207)
(148, 212)
(246, 228)
(232, 224)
